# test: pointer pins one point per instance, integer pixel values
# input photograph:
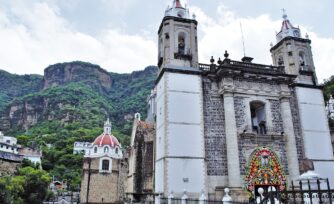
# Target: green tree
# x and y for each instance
(29, 186)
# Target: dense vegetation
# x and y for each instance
(72, 111)
(29, 185)
(13, 86)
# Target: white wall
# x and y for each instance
(34, 159)
(317, 142)
(189, 169)
(180, 139)
(316, 135)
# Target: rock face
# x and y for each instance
(65, 73)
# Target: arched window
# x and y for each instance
(95, 149)
(105, 165)
(116, 150)
(106, 149)
(258, 117)
(302, 62)
(182, 43)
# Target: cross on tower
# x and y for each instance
(285, 16)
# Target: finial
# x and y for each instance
(285, 16)
(212, 60)
(271, 44)
(220, 62)
(307, 36)
(194, 16)
(226, 54)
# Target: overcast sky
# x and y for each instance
(121, 35)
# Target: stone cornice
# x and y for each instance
(176, 19)
(290, 38)
(307, 86)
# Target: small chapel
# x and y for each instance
(235, 123)
(104, 170)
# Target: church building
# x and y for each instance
(235, 124)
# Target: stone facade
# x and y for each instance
(214, 132)
(238, 108)
(97, 187)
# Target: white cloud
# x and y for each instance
(39, 37)
(224, 33)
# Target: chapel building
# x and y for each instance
(104, 170)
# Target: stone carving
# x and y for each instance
(256, 84)
(215, 144)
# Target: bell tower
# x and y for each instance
(294, 53)
(180, 156)
(178, 38)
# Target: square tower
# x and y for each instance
(180, 158)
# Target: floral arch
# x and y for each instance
(264, 170)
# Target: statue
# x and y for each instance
(181, 46)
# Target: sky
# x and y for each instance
(121, 35)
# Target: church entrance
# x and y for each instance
(264, 173)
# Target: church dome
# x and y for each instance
(106, 139)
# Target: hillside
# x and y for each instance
(67, 90)
(70, 103)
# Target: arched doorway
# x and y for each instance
(264, 170)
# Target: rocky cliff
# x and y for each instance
(65, 73)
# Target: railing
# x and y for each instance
(195, 201)
(241, 65)
(257, 66)
(313, 193)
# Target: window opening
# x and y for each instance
(105, 165)
(258, 116)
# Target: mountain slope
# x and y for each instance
(70, 103)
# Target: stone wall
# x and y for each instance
(240, 112)
(141, 162)
(277, 121)
(214, 132)
(8, 167)
(248, 143)
(297, 126)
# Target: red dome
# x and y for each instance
(106, 139)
